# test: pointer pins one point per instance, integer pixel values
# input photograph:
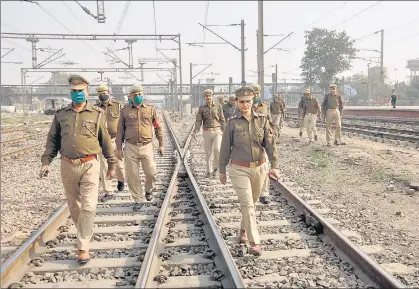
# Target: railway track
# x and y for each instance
(301, 247)
(186, 237)
(14, 140)
(17, 152)
(381, 132)
(165, 245)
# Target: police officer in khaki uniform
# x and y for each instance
(332, 108)
(310, 112)
(78, 132)
(230, 107)
(262, 108)
(277, 109)
(246, 138)
(112, 110)
(211, 116)
(300, 114)
(135, 128)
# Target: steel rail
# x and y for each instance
(405, 135)
(359, 258)
(35, 245)
(223, 256)
(146, 267)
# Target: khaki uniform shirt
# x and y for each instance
(277, 107)
(211, 116)
(332, 101)
(135, 125)
(247, 141)
(228, 110)
(311, 105)
(263, 108)
(79, 134)
(112, 110)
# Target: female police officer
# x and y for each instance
(245, 139)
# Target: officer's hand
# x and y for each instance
(161, 151)
(119, 155)
(44, 171)
(274, 173)
(223, 178)
(110, 174)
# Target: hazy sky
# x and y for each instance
(398, 19)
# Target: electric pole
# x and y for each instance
(242, 53)
(381, 65)
(260, 50)
(192, 77)
(190, 86)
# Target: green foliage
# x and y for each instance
(329, 49)
(60, 78)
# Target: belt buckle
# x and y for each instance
(76, 162)
(253, 164)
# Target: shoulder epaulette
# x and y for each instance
(98, 109)
(62, 108)
(258, 114)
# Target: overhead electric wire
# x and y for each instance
(155, 26)
(409, 36)
(86, 43)
(118, 28)
(360, 12)
(360, 38)
(331, 11)
(8, 25)
(81, 22)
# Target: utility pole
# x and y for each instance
(180, 78)
(190, 86)
(276, 78)
(260, 49)
(395, 76)
(242, 53)
(193, 76)
(381, 65)
(369, 85)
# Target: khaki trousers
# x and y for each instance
(212, 143)
(302, 124)
(333, 115)
(247, 182)
(133, 156)
(266, 182)
(120, 171)
(277, 121)
(81, 186)
(310, 120)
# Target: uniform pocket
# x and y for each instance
(88, 128)
(146, 117)
(65, 126)
(259, 133)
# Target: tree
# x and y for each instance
(327, 54)
(60, 78)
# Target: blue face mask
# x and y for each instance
(256, 100)
(138, 99)
(78, 96)
(129, 100)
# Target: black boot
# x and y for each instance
(121, 186)
(264, 200)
